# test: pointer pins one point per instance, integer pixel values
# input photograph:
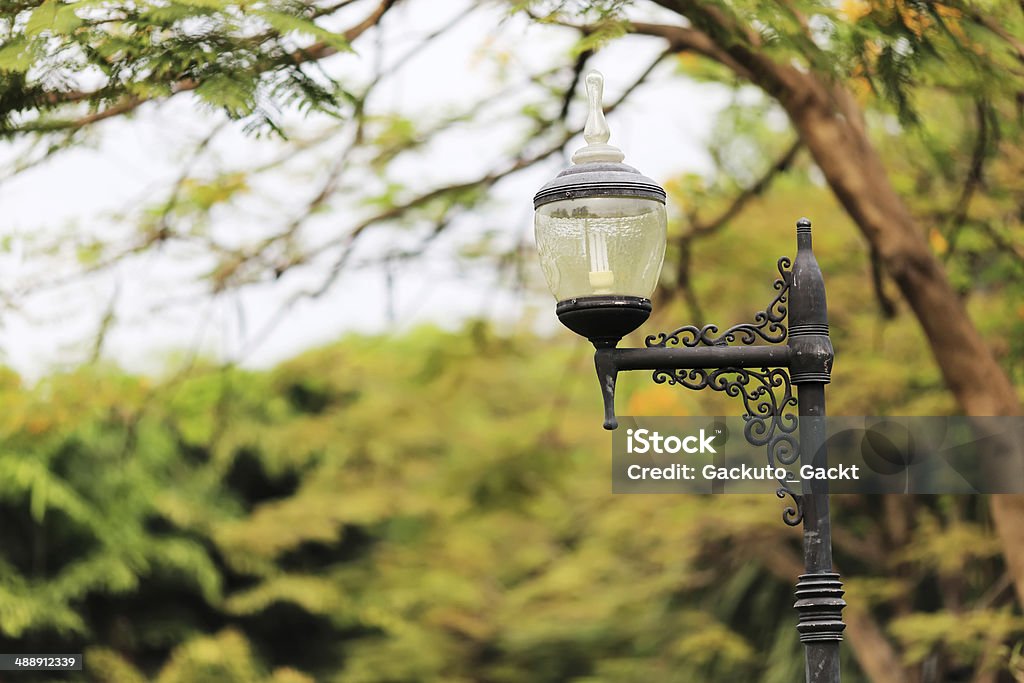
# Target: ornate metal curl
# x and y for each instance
(793, 514)
(769, 417)
(769, 325)
(767, 394)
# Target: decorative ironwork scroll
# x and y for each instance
(769, 325)
(769, 404)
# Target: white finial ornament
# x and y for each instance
(596, 132)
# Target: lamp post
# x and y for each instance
(600, 228)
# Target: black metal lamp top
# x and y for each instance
(597, 169)
(598, 179)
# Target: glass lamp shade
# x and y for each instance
(600, 228)
(601, 246)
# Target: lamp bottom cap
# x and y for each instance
(603, 319)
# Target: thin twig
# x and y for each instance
(756, 189)
(348, 241)
(974, 179)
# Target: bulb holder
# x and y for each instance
(605, 319)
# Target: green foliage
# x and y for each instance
(244, 59)
(964, 636)
(435, 507)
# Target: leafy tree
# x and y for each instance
(867, 86)
(908, 110)
(942, 73)
(434, 506)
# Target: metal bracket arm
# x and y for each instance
(609, 362)
(756, 370)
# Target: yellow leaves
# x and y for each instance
(948, 549)
(437, 565)
(314, 594)
(42, 17)
(107, 572)
(947, 11)
(710, 640)
(603, 32)
(108, 666)
(190, 561)
(226, 657)
(287, 674)
(917, 21)
(865, 592)
(23, 609)
(54, 17)
(10, 381)
(909, 14)
(699, 68)
(657, 400)
(855, 10)
(468, 624)
(45, 489)
(204, 194)
(687, 60)
(861, 88)
(38, 424)
(963, 635)
(952, 17)
(293, 24)
(277, 527)
(940, 245)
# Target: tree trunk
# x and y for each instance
(831, 125)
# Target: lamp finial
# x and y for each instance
(596, 132)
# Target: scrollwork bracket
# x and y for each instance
(770, 418)
(769, 325)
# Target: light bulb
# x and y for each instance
(601, 277)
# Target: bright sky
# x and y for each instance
(160, 307)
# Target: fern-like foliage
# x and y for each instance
(423, 508)
(64, 63)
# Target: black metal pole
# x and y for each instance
(819, 592)
(808, 354)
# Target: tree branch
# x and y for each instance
(683, 39)
(885, 304)
(347, 241)
(756, 189)
(315, 52)
(577, 72)
(998, 30)
(830, 121)
(975, 176)
(700, 229)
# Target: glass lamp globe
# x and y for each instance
(600, 229)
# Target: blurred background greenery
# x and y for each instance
(434, 504)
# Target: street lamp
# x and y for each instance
(600, 228)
